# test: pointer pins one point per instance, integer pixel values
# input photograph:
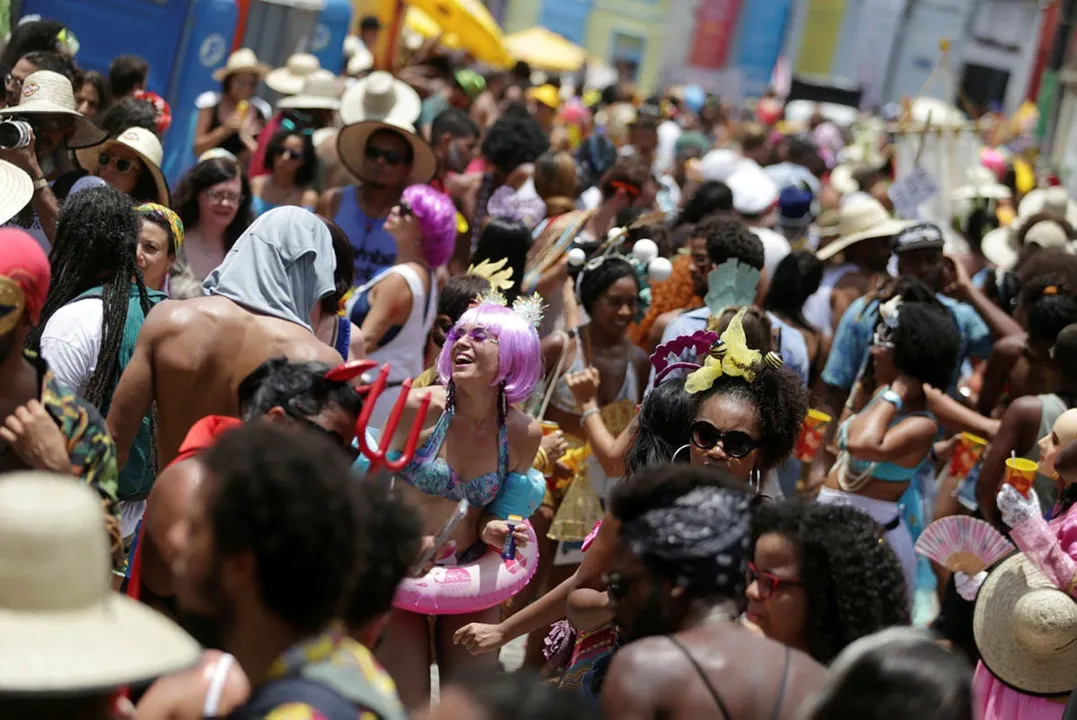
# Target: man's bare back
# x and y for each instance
(190, 357)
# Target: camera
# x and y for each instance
(15, 134)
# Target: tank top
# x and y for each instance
(232, 143)
(404, 352)
(817, 306)
(375, 248)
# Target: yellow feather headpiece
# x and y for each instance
(499, 276)
(730, 355)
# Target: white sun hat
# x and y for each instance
(148, 148)
(48, 93)
(861, 218)
(64, 630)
(289, 80)
(241, 61)
(1000, 245)
(379, 96)
(321, 91)
(16, 190)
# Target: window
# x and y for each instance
(626, 54)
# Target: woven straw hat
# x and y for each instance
(861, 218)
(49, 93)
(64, 630)
(241, 61)
(321, 91)
(1026, 629)
(16, 190)
(289, 80)
(352, 140)
(380, 96)
(148, 148)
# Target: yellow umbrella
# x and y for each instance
(471, 23)
(423, 25)
(543, 49)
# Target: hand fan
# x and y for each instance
(963, 543)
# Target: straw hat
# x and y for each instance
(379, 96)
(16, 190)
(288, 80)
(50, 93)
(1026, 629)
(352, 141)
(1000, 245)
(862, 218)
(64, 630)
(1054, 200)
(241, 61)
(981, 183)
(842, 180)
(321, 91)
(148, 148)
(360, 61)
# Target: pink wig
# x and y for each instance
(520, 357)
(437, 222)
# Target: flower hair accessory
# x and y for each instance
(730, 355)
(499, 276)
(529, 307)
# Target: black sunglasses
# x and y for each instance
(405, 209)
(123, 165)
(391, 157)
(735, 444)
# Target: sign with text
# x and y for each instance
(912, 191)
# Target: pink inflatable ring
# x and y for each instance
(460, 589)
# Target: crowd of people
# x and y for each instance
(408, 366)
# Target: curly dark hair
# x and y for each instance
(205, 175)
(95, 245)
(513, 141)
(926, 343)
(393, 534)
(128, 113)
(711, 197)
(304, 176)
(729, 238)
(1064, 351)
(660, 485)
(598, 280)
(300, 388)
(796, 278)
(288, 498)
(851, 576)
(31, 37)
(1049, 293)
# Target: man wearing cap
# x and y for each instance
(47, 104)
(755, 197)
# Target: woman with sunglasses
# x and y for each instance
(882, 446)
(131, 163)
(288, 174)
(821, 577)
(396, 309)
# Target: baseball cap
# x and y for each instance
(923, 236)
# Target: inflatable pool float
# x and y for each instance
(460, 589)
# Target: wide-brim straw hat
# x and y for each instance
(16, 190)
(381, 97)
(290, 79)
(241, 61)
(65, 632)
(321, 91)
(352, 141)
(148, 148)
(1054, 200)
(361, 61)
(1026, 629)
(1000, 245)
(841, 179)
(48, 93)
(861, 218)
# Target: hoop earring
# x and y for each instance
(755, 481)
(678, 452)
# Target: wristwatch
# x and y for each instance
(41, 183)
(891, 397)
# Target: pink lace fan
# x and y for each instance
(681, 353)
(963, 543)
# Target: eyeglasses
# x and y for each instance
(618, 585)
(735, 444)
(344, 444)
(122, 165)
(391, 157)
(477, 334)
(223, 197)
(769, 583)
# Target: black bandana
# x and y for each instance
(703, 538)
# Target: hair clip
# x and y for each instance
(774, 360)
(1050, 290)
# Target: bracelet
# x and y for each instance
(588, 413)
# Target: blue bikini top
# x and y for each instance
(885, 471)
(431, 475)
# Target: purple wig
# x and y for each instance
(437, 222)
(520, 357)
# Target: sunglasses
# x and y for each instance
(476, 334)
(122, 165)
(768, 582)
(404, 209)
(735, 444)
(391, 157)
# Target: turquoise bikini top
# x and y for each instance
(885, 471)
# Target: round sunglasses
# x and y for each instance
(735, 444)
(122, 165)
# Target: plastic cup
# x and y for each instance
(1020, 473)
(549, 428)
(967, 451)
(811, 435)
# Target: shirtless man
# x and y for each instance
(676, 576)
(192, 355)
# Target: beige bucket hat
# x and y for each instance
(148, 148)
(64, 630)
(241, 61)
(380, 96)
(1026, 629)
(321, 91)
(48, 93)
(352, 141)
(289, 80)
(861, 218)
(1000, 245)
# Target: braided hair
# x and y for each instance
(851, 576)
(96, 237)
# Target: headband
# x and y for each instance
(174, 223)
(529, 307)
